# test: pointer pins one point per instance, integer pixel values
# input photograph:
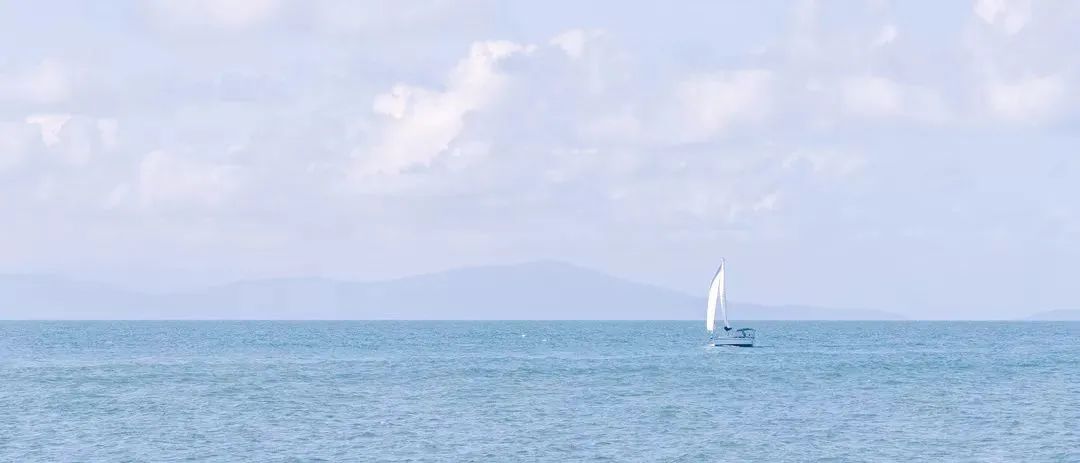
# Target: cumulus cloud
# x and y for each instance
(712, 102)
(50, 125)
(642, 132)
(75, 138)
(421, 123)
(886, 36)
(880, 97)
(1031, 99)
(768, 202)
(574, 42)
(1009, 15)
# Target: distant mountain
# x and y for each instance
(47, 297)
(802, 312)
(1056, 315)
(532, 291)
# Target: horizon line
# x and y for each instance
(932, 320)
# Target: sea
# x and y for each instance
(390, 391)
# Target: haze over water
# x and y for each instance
(537, 391)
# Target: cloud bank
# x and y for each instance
(207, 141)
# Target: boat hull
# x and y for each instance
(734, 342)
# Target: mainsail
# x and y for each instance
(717, 296)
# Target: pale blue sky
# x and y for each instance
(918, 157)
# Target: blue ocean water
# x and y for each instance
(537, 391)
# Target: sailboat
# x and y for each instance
(743, 337)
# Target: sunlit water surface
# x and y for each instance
(537, 391)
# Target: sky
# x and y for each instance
(918, 157)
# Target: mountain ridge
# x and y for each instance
(1055, 315)
(538, 290)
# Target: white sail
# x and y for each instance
(717, 296)
(723, 297)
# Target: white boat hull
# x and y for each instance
(735, 342)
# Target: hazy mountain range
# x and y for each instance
(1055, 315)
(533, 291)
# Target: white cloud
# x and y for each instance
(574, 42)
(627, 132)
(395, 102)
(1009, 15)
(167, 179)
(880, 97)
(1031, 99)
(220, 13)
(711, 103)
(50, 125)
(74, 138)
(423, 122)
(886, 36)
(766, 203)
(47, 82)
